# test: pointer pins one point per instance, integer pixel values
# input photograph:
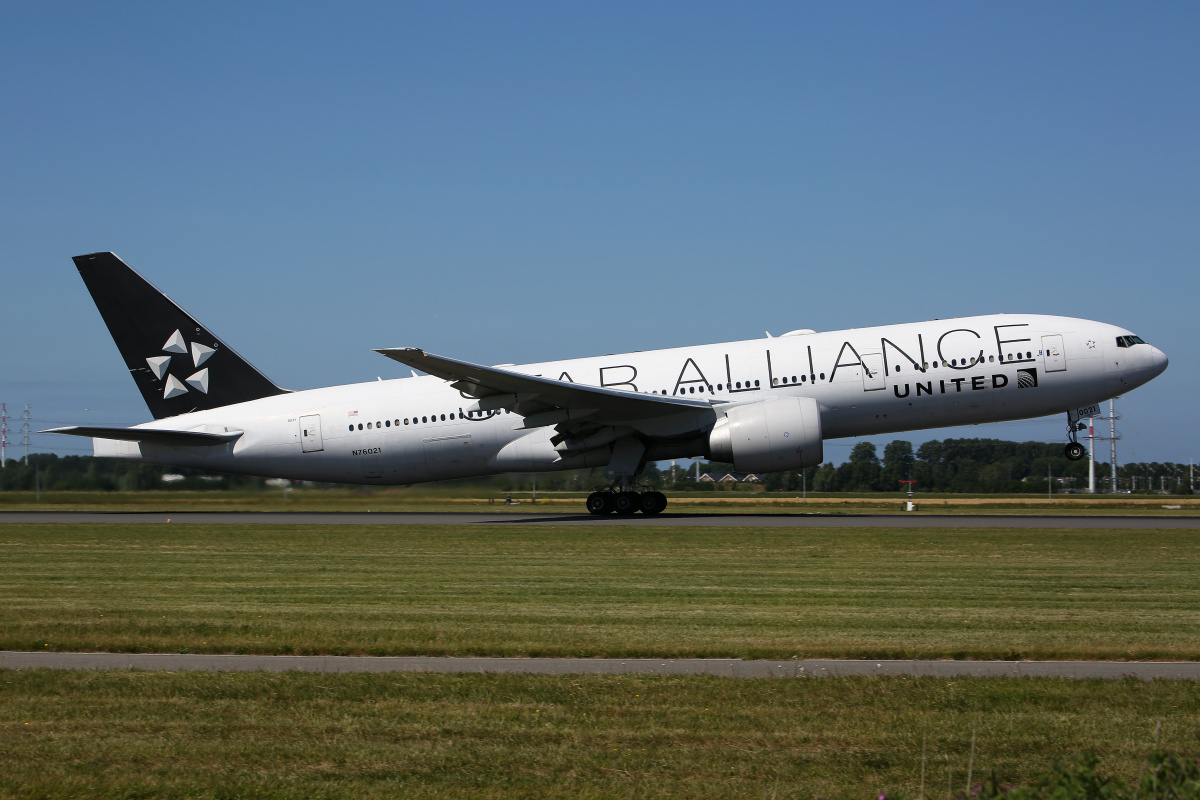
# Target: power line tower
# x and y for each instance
(3, 433)
(1112, 438)
(25, 418)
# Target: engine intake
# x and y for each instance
(769, 436)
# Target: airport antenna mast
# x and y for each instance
(25, 430)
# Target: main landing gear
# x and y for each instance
(1074, 450)
(626, 503)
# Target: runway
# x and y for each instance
(704, 520)
(722, 667)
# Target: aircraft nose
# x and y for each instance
(1158, 360)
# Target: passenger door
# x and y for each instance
(310, 434)
(1055, 358)
(873, 377)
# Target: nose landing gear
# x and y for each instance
(1074, 450)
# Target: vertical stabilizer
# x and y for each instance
(176, 363)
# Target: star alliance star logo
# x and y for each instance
(198, 380)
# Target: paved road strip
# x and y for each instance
(705, 520)
(725, 667)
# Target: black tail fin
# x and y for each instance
(176, 363)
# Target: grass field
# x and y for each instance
(623, 592)
(473, 499)
(292, 735)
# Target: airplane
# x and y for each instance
(763, 404)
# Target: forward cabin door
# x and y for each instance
(1055, 359)
(310, 434)
(873, 374)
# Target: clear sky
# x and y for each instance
(513, 182)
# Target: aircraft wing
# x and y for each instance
(149, 435)
(529, 394)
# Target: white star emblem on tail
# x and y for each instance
(174, 387)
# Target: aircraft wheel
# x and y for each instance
(601, 503)
(653, 503)
(628, 503)
(1075, 451)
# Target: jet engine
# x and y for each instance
(769, 436)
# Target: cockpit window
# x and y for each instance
(1129, 341)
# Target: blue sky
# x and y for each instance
(518, 182)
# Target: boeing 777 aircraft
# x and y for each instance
(763, 405)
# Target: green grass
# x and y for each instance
(568, 591)
(475, 499)
(129, 734)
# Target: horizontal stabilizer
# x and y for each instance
(150, 435)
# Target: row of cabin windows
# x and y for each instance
(387, 423)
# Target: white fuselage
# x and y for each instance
(866, 380)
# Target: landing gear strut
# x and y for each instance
(626, 503)
(1074, 450)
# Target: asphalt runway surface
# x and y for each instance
(705, 520)
(723, 667)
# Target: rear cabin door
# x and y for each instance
(310, 434)
(873, 375)
(1055, 359)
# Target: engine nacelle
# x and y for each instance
(770, 436)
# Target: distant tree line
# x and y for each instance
(969, 466)
(949, 465)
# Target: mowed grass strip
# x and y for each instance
(617, 592)
(476, 500)
(293, 735)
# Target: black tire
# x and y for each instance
(653, 503)
(601, 503)
(1075, 451)
(628, 503)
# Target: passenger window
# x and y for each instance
(424, 419)
(739, 384)
(351, 428)
(406, 420)
(360, 426)
(368, 426)
(935, 365)
(387, 423)
(756, 383)
(397, 423)
(803, 377)
(822, 376)
(378, 425)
